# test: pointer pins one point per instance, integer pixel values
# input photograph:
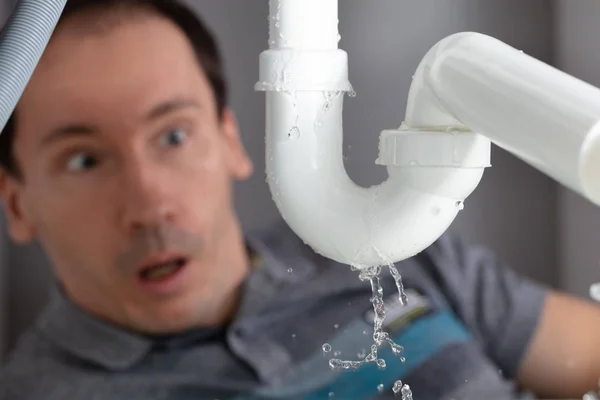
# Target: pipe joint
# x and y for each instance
(288, 70)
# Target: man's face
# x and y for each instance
(127, 169)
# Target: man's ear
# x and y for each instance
(12, 193)
(238, 161)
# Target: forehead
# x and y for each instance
(129, 67)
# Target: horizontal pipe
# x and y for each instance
(542, 115)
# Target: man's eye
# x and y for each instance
(81, 162)
(173, 138)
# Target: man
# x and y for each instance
(120, 157)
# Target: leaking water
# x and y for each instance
(294, 133)
(380, 337)
(329, 96)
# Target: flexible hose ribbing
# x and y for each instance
(23, 41)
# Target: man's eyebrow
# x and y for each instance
(158, 111)
(169, 106)
(65, 132)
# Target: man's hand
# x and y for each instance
(563, 360)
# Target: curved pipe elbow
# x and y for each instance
(339, 219)
(424, 108)
(431, 171)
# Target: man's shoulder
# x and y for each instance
(28, 366)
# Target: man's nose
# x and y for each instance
(147, 198)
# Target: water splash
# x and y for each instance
(398, 278)
(380, 337)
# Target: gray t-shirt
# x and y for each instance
(465, 331)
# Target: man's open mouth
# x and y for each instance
(163, 270)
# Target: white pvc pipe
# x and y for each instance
(544, 116)
(304, 24)
(305, 84)
(331, 213)
(469, 89)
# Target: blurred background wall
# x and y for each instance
(537, 227)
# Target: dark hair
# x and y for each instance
(199, 35)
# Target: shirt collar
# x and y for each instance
(89, 338)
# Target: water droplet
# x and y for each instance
(406, 393)
(352, 93)
(365, 333)
(521, 51)
(290, 270)
(413, 163)
(402, 360)
(397, 387)
(380, 387)
(436, 211)
(460, 205)
(381, 363)
(337, 353)
(294, 133)
(362, 354)
(326, 348)
(334, 364)
(331, 395)
(336, 326)
(293, 336)
(349, 303)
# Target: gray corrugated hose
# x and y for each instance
(23, 41)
